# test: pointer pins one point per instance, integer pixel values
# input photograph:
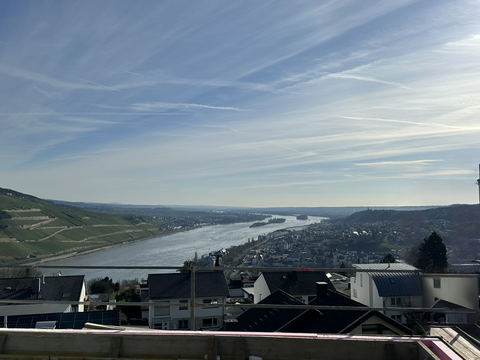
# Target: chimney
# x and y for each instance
(322, 288)
(36, 285)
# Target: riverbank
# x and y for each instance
(168, 250)
(36, 261)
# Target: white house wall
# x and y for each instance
(261, 290)
(83, 295)
(364, 290)
(176, 314)
(455, 288)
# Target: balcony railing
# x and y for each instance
(192, 304)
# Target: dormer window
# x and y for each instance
(66, 295)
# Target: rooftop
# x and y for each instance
(177, 285)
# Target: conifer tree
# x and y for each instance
(388, 259)
(432, 255)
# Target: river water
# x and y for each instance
(170, 250)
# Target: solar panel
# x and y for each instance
(64, 320)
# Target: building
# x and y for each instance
(455, 291)
(331, 321)
(397, 285)
(408, 288)
(172, 293)
(50, 288)
(299, 284)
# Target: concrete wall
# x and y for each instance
(105, 344)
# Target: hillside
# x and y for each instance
(453, 213)
(34, 228)
(455, 223)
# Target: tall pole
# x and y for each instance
(478, 183)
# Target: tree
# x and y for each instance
(432, 255)
(129, 295)
(388, 259)
(100, 286)
(187, 265)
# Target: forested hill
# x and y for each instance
(455, 213)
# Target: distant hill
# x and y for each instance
(32, 228)
(463, 213)
(458, 225)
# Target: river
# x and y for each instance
(170, 250)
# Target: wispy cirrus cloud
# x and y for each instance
(179, 106)
(346, 75)
(49, 80)
(397, 163)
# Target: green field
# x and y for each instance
(71, 229)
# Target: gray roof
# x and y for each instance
(177, 285)
(56, 288)
(397, 284)
(383, 266)
(440, 304)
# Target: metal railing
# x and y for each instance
(192, 304)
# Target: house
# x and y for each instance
(330, 321)
(239, 282)
(50, 288)
(399, 286)
(299, 284)
(456, 290)
(451, 317)
(172, 291)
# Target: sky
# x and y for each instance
(241, 103)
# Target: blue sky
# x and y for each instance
(271, 103)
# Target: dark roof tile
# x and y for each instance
(296, 282)
(54, 288)
(177, 285)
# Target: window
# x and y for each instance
(209, 322)
(183, 324)
(397, 318)
(210, 301)
(355, 293)
(181, 307)
(66, 295)
(437, 283)
(361, 280)
(161, 326)
(395, 301)
(161, 310)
